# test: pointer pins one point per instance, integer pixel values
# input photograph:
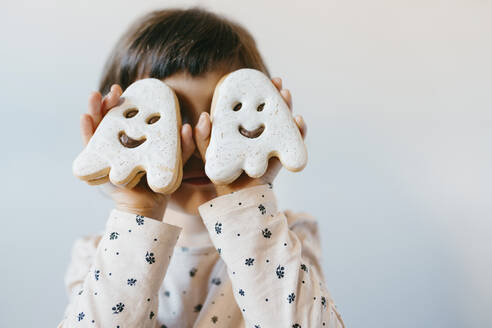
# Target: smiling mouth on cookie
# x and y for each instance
(129, 142)
(252, 133)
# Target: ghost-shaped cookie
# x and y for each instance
(250, 123)
(139, 136)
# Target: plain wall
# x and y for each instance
(397, 98)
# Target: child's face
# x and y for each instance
(195, 96)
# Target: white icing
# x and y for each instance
(229, 152)
(158, 155)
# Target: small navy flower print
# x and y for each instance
(304, 267)
(197, 308)
(113, 235)
(214, 319)
(151, 315)
(149, 257)
(139, 219)
(241, 292)
(291, 297)
(216, 281)
(167, 293)
(118, 308)
(323, 301)
(131, 282)
(96, 274)
(266, 233)
(280, 272)
(218, 227)
(80, 316)
(249, 261)
(262, 209)
(192, 272)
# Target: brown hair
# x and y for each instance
(167, 41)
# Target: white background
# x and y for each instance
(397, 97)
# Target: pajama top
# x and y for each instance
(245, 264)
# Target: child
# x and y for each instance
(207, 255)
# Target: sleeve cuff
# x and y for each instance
(261, 197)
(142, 227)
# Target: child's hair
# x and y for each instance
(167, 41)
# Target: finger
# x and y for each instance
(287, 97)
(202, 133)
(116, 88)
(109, 101)
(105, 106)
(277, 82)
(301, 125)
(187, 144)
(95, 106)
(86, 128)
(113, 98)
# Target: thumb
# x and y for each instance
(202, 133)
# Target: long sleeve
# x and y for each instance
(274, 265)
(113, 280)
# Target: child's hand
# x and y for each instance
(202, 139)
(141, 199)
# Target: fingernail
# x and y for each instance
(201, 121)
(186, 128)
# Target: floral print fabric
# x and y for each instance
(263, 270)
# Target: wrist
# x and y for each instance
(155, 212)
(242, 182)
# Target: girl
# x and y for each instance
(207, 255)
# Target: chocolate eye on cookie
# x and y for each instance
(153, 118)
(259, 126)
(138, 137)
(129, 113)
(237, 107)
